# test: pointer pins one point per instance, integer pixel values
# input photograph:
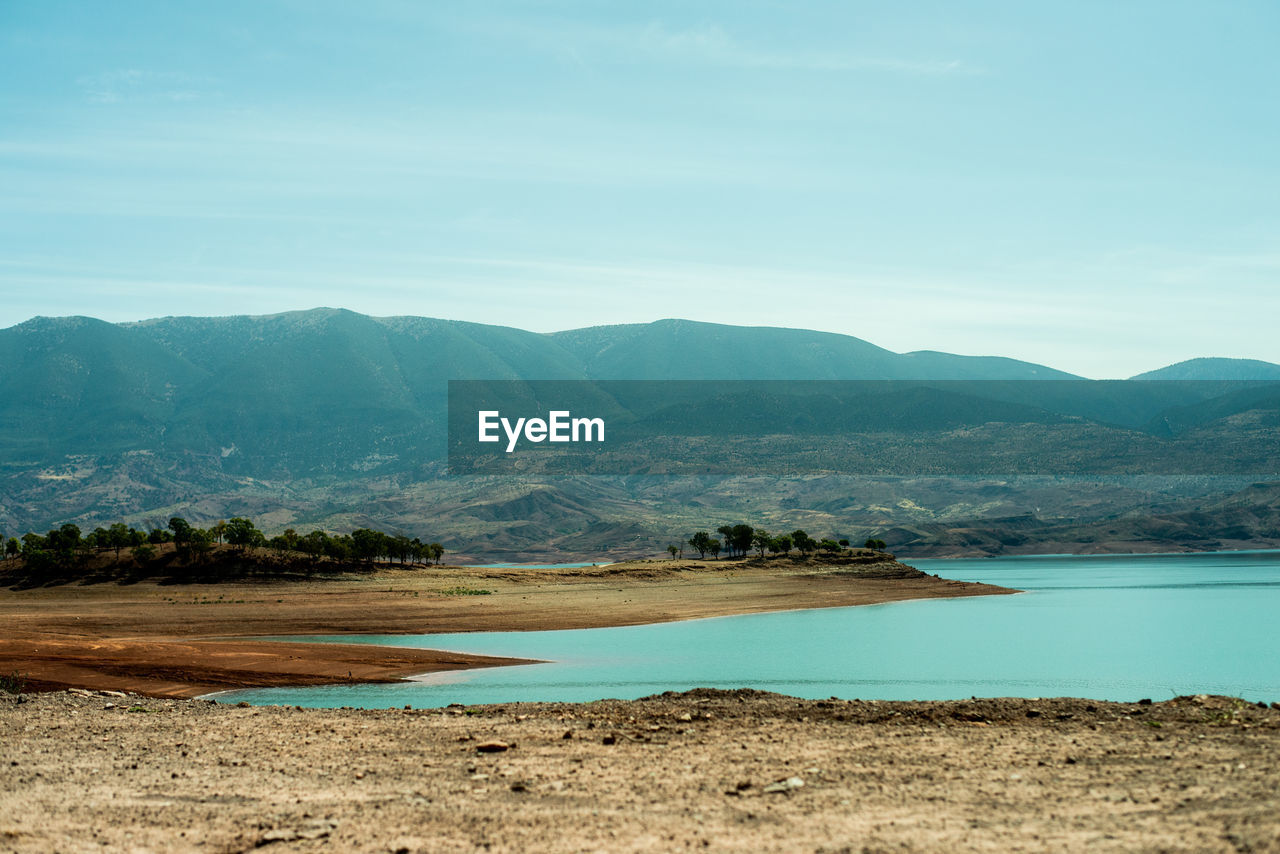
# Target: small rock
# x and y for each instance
(1033, 713)
(1145, 701)
(568, 734)
(278, 836)
(492, 747)
(519, 786)
(609, 739)
(686, 717)
(783, 785)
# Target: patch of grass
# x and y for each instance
(464, 591)
(14, 683)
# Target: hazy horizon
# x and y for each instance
(1090, 187)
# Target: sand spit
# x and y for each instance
(170, 640)
(703, 770)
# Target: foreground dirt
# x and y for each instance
(705, 770)
(181, 640)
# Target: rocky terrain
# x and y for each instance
(704, 770)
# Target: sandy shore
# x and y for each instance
(707, 770)
(188, 640)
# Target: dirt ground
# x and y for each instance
(701, 771)
(170, 640)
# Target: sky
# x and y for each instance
(1089, 185)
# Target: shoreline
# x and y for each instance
(187, 641)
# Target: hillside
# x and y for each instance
(1214, 369)
(328, 418)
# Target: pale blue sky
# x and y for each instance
(1091, 185)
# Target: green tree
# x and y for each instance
(761, 540)
(436, 552)
(740, 539)
(803, 542)
(726, 531)
(241, 532)
(12, 548)
(714, 547)
(877, 545)
(180, 527)
(369, 544)
(118, 537)
(199, 543)
(672, 549)
(702, 541)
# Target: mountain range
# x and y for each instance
(329, 418)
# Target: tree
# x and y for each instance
(436, 551)
(803, 542)
(878, 545)
(780, 543)
(314, 544)
(761, 540)
(369, 544)
(242, 532)
(740, 538)
(726, 531)
(181, 529)
(118, 537)
(715, 547)
(673, 549)
(199, 542)
(829, 545)
(12, 548)
(702, 542)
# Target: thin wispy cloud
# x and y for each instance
(122, 85)
(713, 45)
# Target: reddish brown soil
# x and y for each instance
(186, 640)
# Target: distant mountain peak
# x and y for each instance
(1214, 369)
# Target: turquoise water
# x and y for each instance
(1111, 627)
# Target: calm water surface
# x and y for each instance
(1113, 628)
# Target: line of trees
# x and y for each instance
(739, 540)
(67, 547)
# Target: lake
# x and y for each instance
(1102, 627)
